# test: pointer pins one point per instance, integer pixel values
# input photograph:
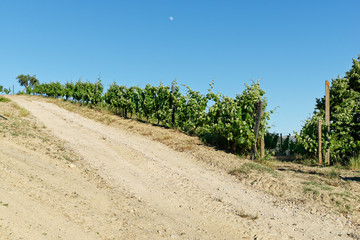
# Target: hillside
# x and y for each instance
(73, 171)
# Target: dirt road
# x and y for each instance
(152, 192)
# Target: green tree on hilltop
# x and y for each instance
(27, 81)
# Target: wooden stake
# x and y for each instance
(172, 105)
(259, 112)
(327, 117)
(320, 143)
(262, 146)
(125, 110)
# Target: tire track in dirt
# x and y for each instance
(202, 200)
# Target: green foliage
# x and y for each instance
(84, 92)
(228, 123)
(307, 142)
(344, 136)
(4, 90)
(271, 140)
(115, 97)
(49, 89)
(354, 76)
(148, 103)
(7, 91)
(27, 81)
(288, 146)
(191, 111)
(69, 90)
(285, 146)
(162, 103)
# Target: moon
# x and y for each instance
(171, 18)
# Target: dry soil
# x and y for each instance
(64, 176)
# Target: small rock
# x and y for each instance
(72, 165)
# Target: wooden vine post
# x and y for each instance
(259, 113)
(125, 110)
(320, 142)
(327, 117)
(262, 146)
(173, 104)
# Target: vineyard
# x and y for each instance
(343, 139)
(215, 118)
(4, 90)
(226, 122)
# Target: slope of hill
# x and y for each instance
(116, 179)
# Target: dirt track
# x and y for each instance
(147, 191)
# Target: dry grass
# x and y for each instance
(15, 105)
(184, 147)
(160, 138)
(355, 162)
(24, 112)
(159, 134)
(23, 129)
(248, 167)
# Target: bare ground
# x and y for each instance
(65, 176)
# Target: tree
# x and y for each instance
(27, 81)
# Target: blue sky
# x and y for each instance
(292, 46)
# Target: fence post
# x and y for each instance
(259, 112)
(320, 142)
(327, 117)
